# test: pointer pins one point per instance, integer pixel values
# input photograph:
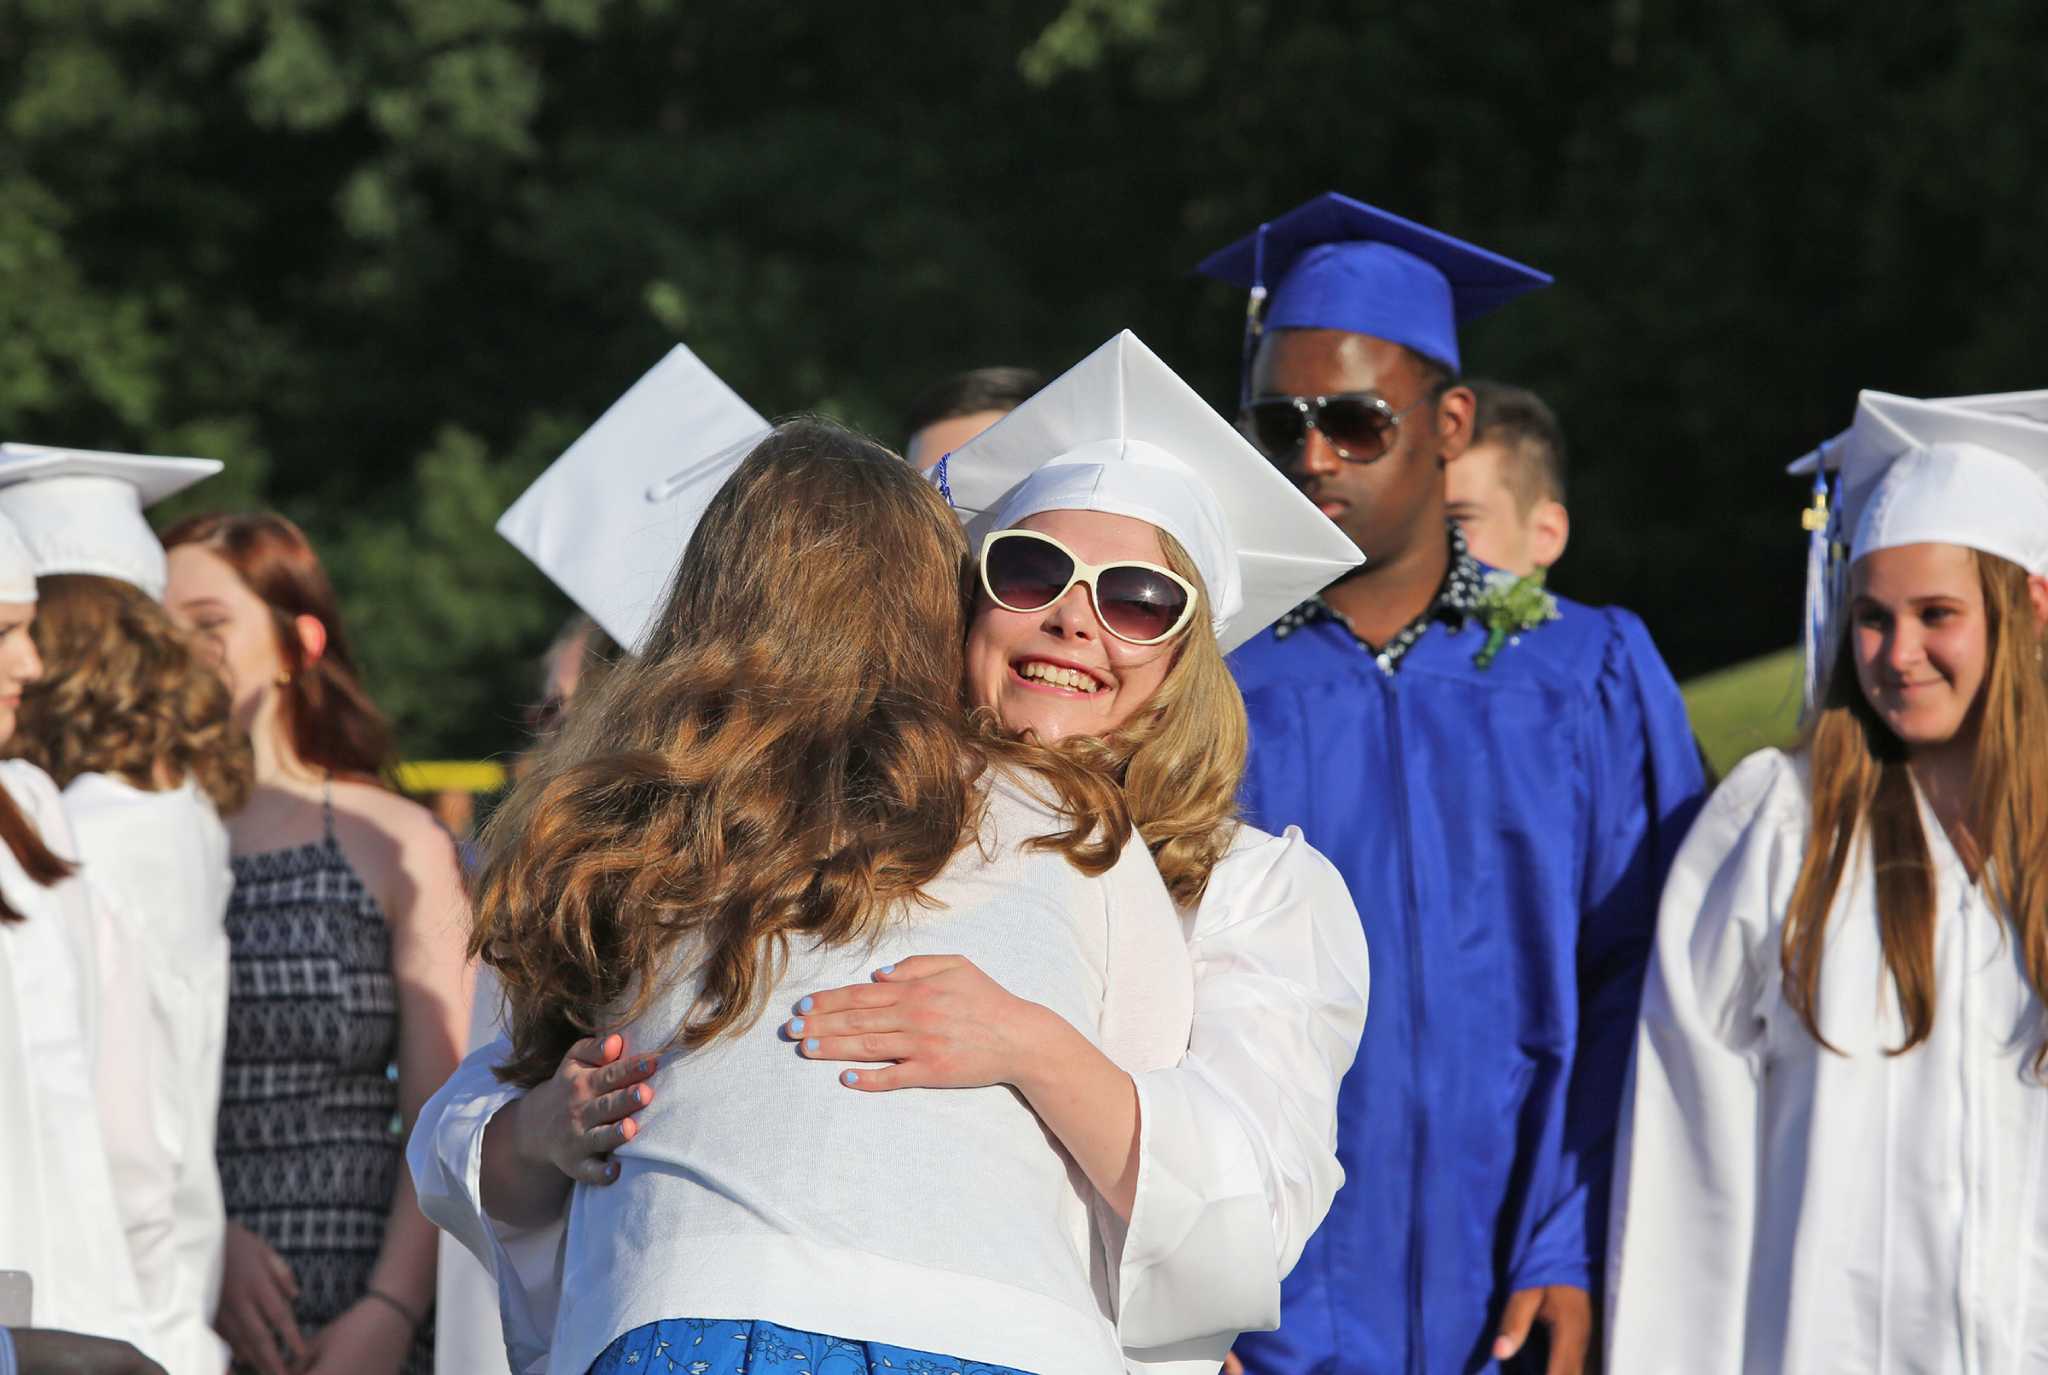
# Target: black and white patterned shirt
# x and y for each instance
(1455, 602)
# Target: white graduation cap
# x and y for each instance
(609, 519)
(17, 567)
(80, 511)
(1120, 432)
(1969, 470)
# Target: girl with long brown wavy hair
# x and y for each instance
(1126, 671)
(346, 926)
(134, 726)
(780, 786)
(1833, 1154)
(82, 1197)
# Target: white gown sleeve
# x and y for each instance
(1685, 1191)
(1237, 1150)
(445, 1154)
(468, 1334)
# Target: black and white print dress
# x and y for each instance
(309, 1148)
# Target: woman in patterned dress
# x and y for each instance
(349, 997)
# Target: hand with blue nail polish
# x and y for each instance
(928, 1021)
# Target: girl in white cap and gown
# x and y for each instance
(83, 1184)
(135, 727)
(1835, 1147)
(1234, 1164)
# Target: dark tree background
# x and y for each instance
(387, 257)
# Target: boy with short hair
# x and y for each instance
(1507, 490)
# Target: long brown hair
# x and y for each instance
(787, 757)
(1863, 794)
(1182, 757)
(43, 865)
(331, 722)
(124, 693)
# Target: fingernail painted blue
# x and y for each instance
(796, 1026)
(851, 1076)
(812, 1045)
(805, 1005)
(888, 969)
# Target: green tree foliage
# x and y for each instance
(387, 257)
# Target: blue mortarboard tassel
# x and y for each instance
(939, 476)
(1824, 568)
(1254, 311)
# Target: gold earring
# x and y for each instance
(284, 678)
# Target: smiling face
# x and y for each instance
(207, 597)
(20, 665)
(1918, 628)
(1057, 672)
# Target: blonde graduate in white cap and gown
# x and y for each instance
(1235, 1162)
(135, 727)
(1835, 1142)
(84, 1187)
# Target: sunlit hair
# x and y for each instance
(1181, 758)
(330, 721)
(1863, 793)
(124, 693)
(787, 758)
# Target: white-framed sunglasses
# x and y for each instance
(1139, 603)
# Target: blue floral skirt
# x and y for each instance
(723, 1346)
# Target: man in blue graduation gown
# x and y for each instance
(1503, 799)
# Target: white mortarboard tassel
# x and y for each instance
(80, 511)
(17, 567)
(1968, 470)
(1120, 432)
(609, 519)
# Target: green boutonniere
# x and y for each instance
(1508, 606)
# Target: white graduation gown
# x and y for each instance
(1237, 1149)
(157, 862)
(1782, 1208)
(74, 1062)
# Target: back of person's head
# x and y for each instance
(787, 757)
(1863, 795)
(576, 661)
(980, 396)
(125, 693)
(971, 393)
(1526, 430)
(331, 722)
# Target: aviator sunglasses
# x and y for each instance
(1139, 603)
(1359, 426)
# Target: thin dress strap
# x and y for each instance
(327, 809)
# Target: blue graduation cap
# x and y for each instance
(1338, 263)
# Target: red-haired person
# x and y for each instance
(66, 1203)
(1833, 1151)
(349, 998)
